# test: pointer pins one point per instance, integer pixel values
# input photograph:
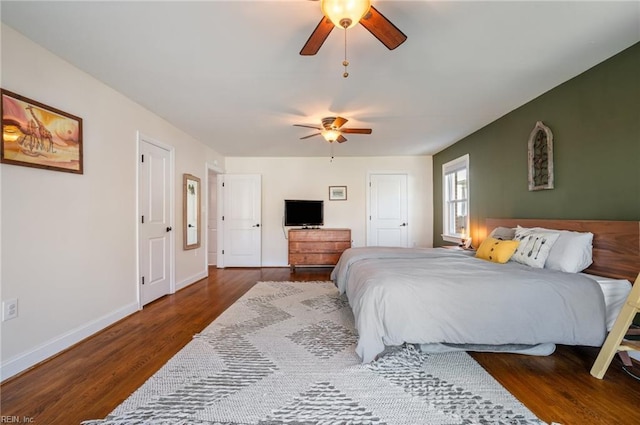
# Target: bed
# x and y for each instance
(443, 299)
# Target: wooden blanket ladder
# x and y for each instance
(615, 342)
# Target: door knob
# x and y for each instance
(256, 225)
(403, 224)
(169, 229)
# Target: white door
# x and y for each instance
(388, 222)
(241, 220)
(155, 221)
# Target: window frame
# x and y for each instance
(454, 166)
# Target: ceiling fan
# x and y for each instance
(348, 13)
(332, 129)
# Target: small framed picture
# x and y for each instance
(337, 193)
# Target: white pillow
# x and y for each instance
(572, 252)
(534, 247)
(503, 233)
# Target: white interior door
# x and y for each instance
(155, 221)
(241, 220)
(388, 220)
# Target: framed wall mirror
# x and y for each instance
(191, 211)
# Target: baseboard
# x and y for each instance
(24, 361)
(274, 264)
(191, 279)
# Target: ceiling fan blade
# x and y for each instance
(317, 37)
(339, 122)
(307, 126)
(341, 139)
(356, 130)
(311, 135)
(383, 29)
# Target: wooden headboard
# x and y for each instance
(616, 244)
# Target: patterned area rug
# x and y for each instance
(284, 354)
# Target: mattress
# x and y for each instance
(615, 293)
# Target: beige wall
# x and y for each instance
(310, 178)
(69, 242)
(68, 248)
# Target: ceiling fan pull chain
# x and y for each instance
(345, 62)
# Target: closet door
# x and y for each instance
(155, 221)
(388, 224)
(241, 220)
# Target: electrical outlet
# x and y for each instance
(9, 309)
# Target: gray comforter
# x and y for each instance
(436, 295)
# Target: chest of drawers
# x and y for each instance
(317, 247)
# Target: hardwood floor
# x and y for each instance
(89, 380)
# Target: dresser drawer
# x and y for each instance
(320, 235)
(318, 247)
(326, 259)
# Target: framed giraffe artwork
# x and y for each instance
(37, 135)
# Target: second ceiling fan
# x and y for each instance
(348, 13)
(332, 129)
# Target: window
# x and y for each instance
(455, 194)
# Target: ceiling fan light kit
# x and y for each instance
(345, 13)
(330, 135)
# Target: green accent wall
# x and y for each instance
(595, 121)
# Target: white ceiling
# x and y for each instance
(229, 72)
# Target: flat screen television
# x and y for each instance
(303, 213)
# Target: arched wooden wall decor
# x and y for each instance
(540, 158)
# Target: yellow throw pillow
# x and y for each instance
(496, 250)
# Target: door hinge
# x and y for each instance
(142, 219)
(142, 158)
(222, 218)
(143, 280)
